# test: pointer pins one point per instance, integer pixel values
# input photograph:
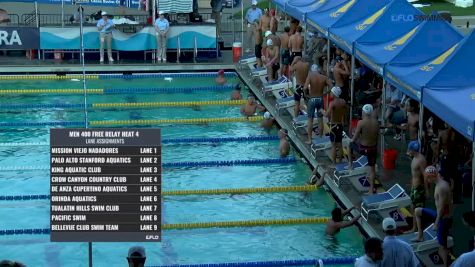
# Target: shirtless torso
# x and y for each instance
(296, 42)
(264, 23)
(413, 125)
(418, 165)
(340, 73)
(300, 68)
(316, 84)
(274, 23)
(368, 129)
(443, 198)
(284, 40)
(338, 111)
(236, 95)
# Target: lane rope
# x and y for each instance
(165, 75)
(281, 263)
(44, 123)
(49, 91)
(179, 164)
(173, 140)
(224, 191)
(48, 77)
(167, 89)
(200, 225)
(124, 105)
(175, 121)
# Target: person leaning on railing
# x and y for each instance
(105, 26)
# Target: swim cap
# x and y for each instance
(267, 115)
(269, 42)
(272, 12)
(221, 72)
(267, 33)
(336, 91)
(314, 68)
(413, 146)
(431, 170)
(368, 109)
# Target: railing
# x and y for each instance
(28, 19)
(14, 20)
(178, 49)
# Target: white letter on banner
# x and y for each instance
(15, 38)
(3, 38)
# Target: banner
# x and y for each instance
(19, 38)
(113, 3)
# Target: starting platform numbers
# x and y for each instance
(105, 185)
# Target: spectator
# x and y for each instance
(162, 27)
(466, 259)
(136, 257)
(336, 223)
(396, 252)
(220, 79)
(216, 9)
(393, 99)
(253, 16)
(373, 253)
(76, 17)
(105, 26)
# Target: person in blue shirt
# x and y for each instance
(162, 27)
(253, 16)
(105, 26)
(396, 252)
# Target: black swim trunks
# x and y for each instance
(293, 55)
(285, 56)
(336, 132)
(258, 50)
(298, 93)
(275, 68)
(369, 151)
(418, 196)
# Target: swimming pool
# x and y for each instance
(213, 245)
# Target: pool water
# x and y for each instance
(215, 245)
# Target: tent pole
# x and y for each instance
(352, 89)
(37, 24)
(421, 124)
(382, 114)
(154, 11)
(473, 176)
(242, 28)
(234, 22)
(328, 57)
(62, 13)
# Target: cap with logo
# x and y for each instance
(269, 42)
(267, 33)
(314, 68)
(336, 91)
(431, 170)
(367, 109)
(413, 146)
(267, 115)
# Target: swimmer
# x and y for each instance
(315, 180)
(250, 108)
(336, 115)
(419, 187)
(336, 223)
(284, 145)
(220, 80)
(268, 121)
(236, 93)
(75, 80)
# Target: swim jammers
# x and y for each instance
(298, 92)
(369, 151)
(285, 56)
(275, 68)
(336, 132)
(443, 229)
(258, 50)
(418, 196)
(314, 104)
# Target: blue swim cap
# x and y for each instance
(413, 146)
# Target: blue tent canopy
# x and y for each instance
(418, 61)
(280, 3)
(450, 94)
(328, 13)
(383, 41)
(456, 107)
(299, 8)
(356, 22)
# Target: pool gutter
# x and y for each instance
(339, 196)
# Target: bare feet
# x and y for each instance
(417, 239)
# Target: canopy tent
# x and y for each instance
(362, 16)
(300, 8)
(450, 94)
(328, 13)
(383, 41)
(280, 4)
(428, 50)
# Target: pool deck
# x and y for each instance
(345, 195)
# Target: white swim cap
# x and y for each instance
(269, 42)
(267, 33)
(267, 115)
(314, 68)
(336, 91)
(368, 109)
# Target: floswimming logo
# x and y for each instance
(418, 17)
(342, 9)
(401, 40)
(439, 60)
(370, 20)
(473, 96)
